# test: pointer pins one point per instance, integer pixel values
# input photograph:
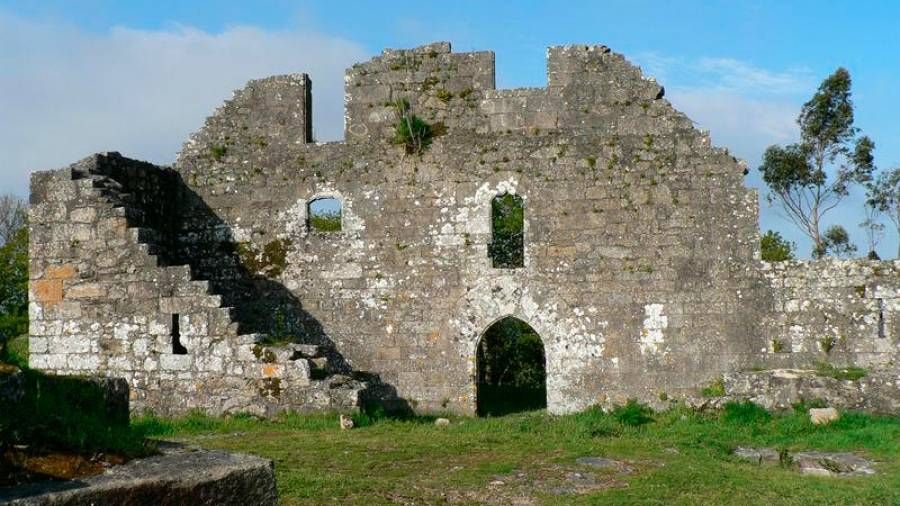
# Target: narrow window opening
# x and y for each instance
(507, 248)
(325, 215)
(881, 331)
(177, 347)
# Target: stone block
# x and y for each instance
(823, 416)
(171, 362)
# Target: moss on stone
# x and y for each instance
(271, 261)
(270, 387)
(715, 389)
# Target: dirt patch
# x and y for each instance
(525, 487)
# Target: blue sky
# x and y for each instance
(138, 76)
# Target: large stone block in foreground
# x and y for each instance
(177, 477)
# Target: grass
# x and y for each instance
(851, 373)
(680, 456)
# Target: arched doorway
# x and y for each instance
(511, 369)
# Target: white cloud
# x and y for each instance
(726, 75)
(65, 93)
(731, 74)
(745, 125)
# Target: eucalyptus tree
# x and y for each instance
(810, 178)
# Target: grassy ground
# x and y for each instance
(677, 457)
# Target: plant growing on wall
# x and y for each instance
(812, 177)
(883, 197)
(410, 131)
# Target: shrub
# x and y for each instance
(218, 152)
(633, 413)
(746, 413)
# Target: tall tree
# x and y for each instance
(873, 229)
(811, 177)
(13, 213)
(883, 196)
(14, 287)
(836, 241)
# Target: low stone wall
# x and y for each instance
(177, 477)
(876, 392)
(843, 312)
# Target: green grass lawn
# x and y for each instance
(679, 457)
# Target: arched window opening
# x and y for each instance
(507, 248)
(324, 215)
(512, 373)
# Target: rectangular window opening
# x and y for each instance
(177, 347)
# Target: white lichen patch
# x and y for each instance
(652, 338)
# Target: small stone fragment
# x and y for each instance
(346, 422)
(442, 422)
(823, 416)
(758, 455)
(599, 462)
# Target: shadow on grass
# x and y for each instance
(65, 413)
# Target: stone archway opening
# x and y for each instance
(511, 369)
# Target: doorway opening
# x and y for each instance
(511, 369)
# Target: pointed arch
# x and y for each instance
(511, 368)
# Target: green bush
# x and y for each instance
(16, 352)
(774, 248)
(633, 413)
(746, 413)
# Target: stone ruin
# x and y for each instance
(206, 286)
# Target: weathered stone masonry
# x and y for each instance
(641, 250)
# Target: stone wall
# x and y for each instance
(843, 312)
(639, 235)
(105, 299)
(641, 245)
